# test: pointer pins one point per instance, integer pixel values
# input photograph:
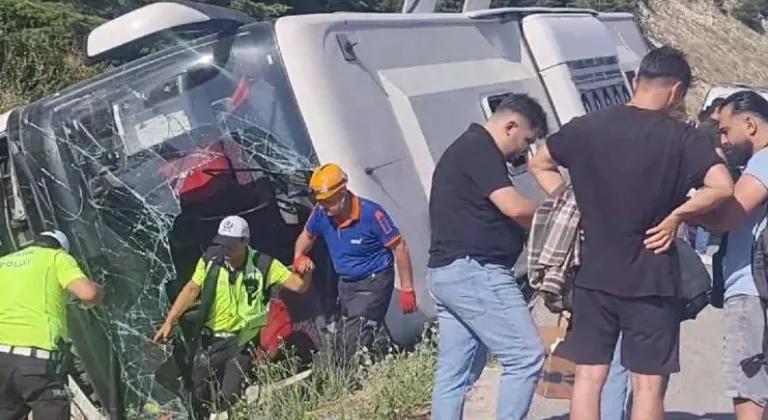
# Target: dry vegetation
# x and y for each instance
(396, 388)
(720, 48)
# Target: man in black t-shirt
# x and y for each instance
(631, 167)
(477, 220)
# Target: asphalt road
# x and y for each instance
(696, 393)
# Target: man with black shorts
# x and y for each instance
(631, 181)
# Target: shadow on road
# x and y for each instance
(676, 415)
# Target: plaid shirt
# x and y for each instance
(553, 243)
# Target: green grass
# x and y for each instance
(398, 387)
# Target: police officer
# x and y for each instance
(364, 245)
(239, 311)
(33, 326)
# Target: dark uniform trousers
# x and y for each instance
(364, 304)
(32, 384)
(219, 372)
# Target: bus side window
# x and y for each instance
(492, 102)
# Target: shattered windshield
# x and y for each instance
(139, 166)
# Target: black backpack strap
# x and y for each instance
(214, 262)
(263, 263)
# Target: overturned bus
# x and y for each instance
(139, 164)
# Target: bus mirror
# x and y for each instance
(120, 37)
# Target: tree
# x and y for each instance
(39, 49)
(41, 41)
(749, 13)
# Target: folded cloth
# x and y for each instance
(553, 246)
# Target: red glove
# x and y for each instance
(408, 301)
(302, 264)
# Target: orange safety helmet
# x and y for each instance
(327, 180)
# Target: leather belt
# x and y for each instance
(32, 352)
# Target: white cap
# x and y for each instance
(59, 236)
(232, 229)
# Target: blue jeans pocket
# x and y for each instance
(459, 287)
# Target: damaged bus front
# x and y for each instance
(138, 167)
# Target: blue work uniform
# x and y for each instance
(361, 252)
(360, 246)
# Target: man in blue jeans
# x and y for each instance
(477, 220)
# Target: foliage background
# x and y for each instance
(41, 41)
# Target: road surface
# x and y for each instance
(694, 393)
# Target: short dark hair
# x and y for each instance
(666, 63)
(715, 105)
(529, 108)
(46, 241)
(747, 101)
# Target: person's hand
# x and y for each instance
(161, 336)
(408, 301)
(303, 265)
(660, 237)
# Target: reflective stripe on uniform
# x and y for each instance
(26, 351)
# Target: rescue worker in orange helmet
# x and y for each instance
(364, 245)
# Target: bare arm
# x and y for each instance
(513, 205)
(545, 171)
(303, 244)
(299, 283)
(87, 291)
(403, 263)
(749, 194)
(718, 187)
(183, 301)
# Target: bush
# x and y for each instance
(720, 5)
(398, 387)
(748, 13)
(40, 49)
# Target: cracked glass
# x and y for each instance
(138, 166)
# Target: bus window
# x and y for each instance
(490, 103)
